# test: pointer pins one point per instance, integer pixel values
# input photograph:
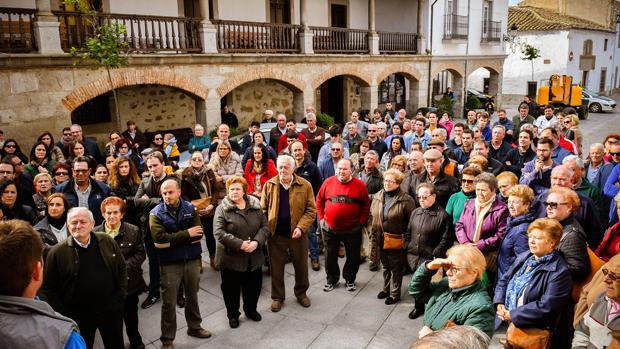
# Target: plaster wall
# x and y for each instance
(397, 15)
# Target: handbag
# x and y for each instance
(201, 204)
(595, 264)
(528, 338)
(393, 241)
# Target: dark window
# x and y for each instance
(605, 45)
(94, 111)
(339, 16)
(280, 11)
(392, 89)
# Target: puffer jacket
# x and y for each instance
(493, 225)
(468, 305)
(543, 298)
(514, 242)
(232, 226)
(429, 235)
(397, 215)
(301, 202)
(129, 239)
(573, 247)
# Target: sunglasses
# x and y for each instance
(615, 154)
(61, 174)
(67, 134)
(10, 146)
(554, 205)
(158, 138)
(467, 181)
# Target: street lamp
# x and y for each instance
(512, 39)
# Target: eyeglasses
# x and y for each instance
(454, 269)
(372, 130)
(61, 174)
(80, 171)
(6, 172)
(197, 159)
(610, 275)
(391, 181)
(10, 146)
(67, 134)
(336, 149)
(567, 122)
(424, 197)
(19, 163)
(467, 181)
(158, 138)
(615, 154)
(554, 205)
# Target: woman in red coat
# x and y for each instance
(259, 170)
(610, 246)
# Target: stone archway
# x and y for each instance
(414, 96)
(494, 72)
(130, 77)
(231, 82)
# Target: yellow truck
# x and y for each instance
(563, 95)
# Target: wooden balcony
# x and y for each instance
(238, 36)
(455, 27)
(339, 40)
(144, 34)
(16, 30)
(398, 43)
(491, 31)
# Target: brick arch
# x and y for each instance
(352, 71)
(129, 77)
(404, 69)
(257, 73)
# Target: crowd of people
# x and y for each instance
(501, 222)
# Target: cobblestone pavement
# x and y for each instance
(338, 319)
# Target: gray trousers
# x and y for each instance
(171, 277)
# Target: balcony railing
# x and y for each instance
(491, 31)
(144, 34)
(339, 40)
(237, 36)
(455, 27)
(17, 30)
(398, 43)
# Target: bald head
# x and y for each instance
(171, 192)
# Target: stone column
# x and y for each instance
(305, 34)
(208, 32)
(212, 115)
(301, 100)
(420, 28)
(459, 88)
(495, 88)
(370, 97)
(47, 29)
(373, 37)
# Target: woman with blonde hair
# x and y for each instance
(226, 164)
(459, 297)
(573, 131)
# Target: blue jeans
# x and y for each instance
(314, 242)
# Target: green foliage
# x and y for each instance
(529, 52)
(104, 47)
(324, 120)
(422, 110)
(472, 103)
(444, 105)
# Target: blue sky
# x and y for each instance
(513, 2)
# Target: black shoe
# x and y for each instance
(149, 301)
(181, 302)
(254, 316)
(391, 300)
(382, 295)
(234, 323)
(415, 313)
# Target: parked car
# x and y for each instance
(484, 98)
(597, 103)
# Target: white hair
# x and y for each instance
(285, 158)
(198, 126)
(443, 131)
(77, 210)
(578, 161)
(310, 116)
(600, 146)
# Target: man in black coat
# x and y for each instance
(445, 185)
(91, 146)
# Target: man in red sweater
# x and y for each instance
(343, 207)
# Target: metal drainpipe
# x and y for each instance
(430, 45)
(464, 92)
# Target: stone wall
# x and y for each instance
(352, 97)
(157, 107)
(249, 100)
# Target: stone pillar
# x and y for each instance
(201, 112)
(305, 34)
(420, 28)
(47, 29)
(373, 37)
(207, 31)
(459, 89)
(370, 97)
(414, 96)
(212, 115)
(495, 88)
(299, 110)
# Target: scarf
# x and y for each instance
(57, 223)
(169, 143)
(482, 208)
(522, 278)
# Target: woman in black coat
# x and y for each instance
(12, 209)
(129, 239)
(53, 227)
(198, 185)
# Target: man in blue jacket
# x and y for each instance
(176, 230)
(21, 313)
(83, 191)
